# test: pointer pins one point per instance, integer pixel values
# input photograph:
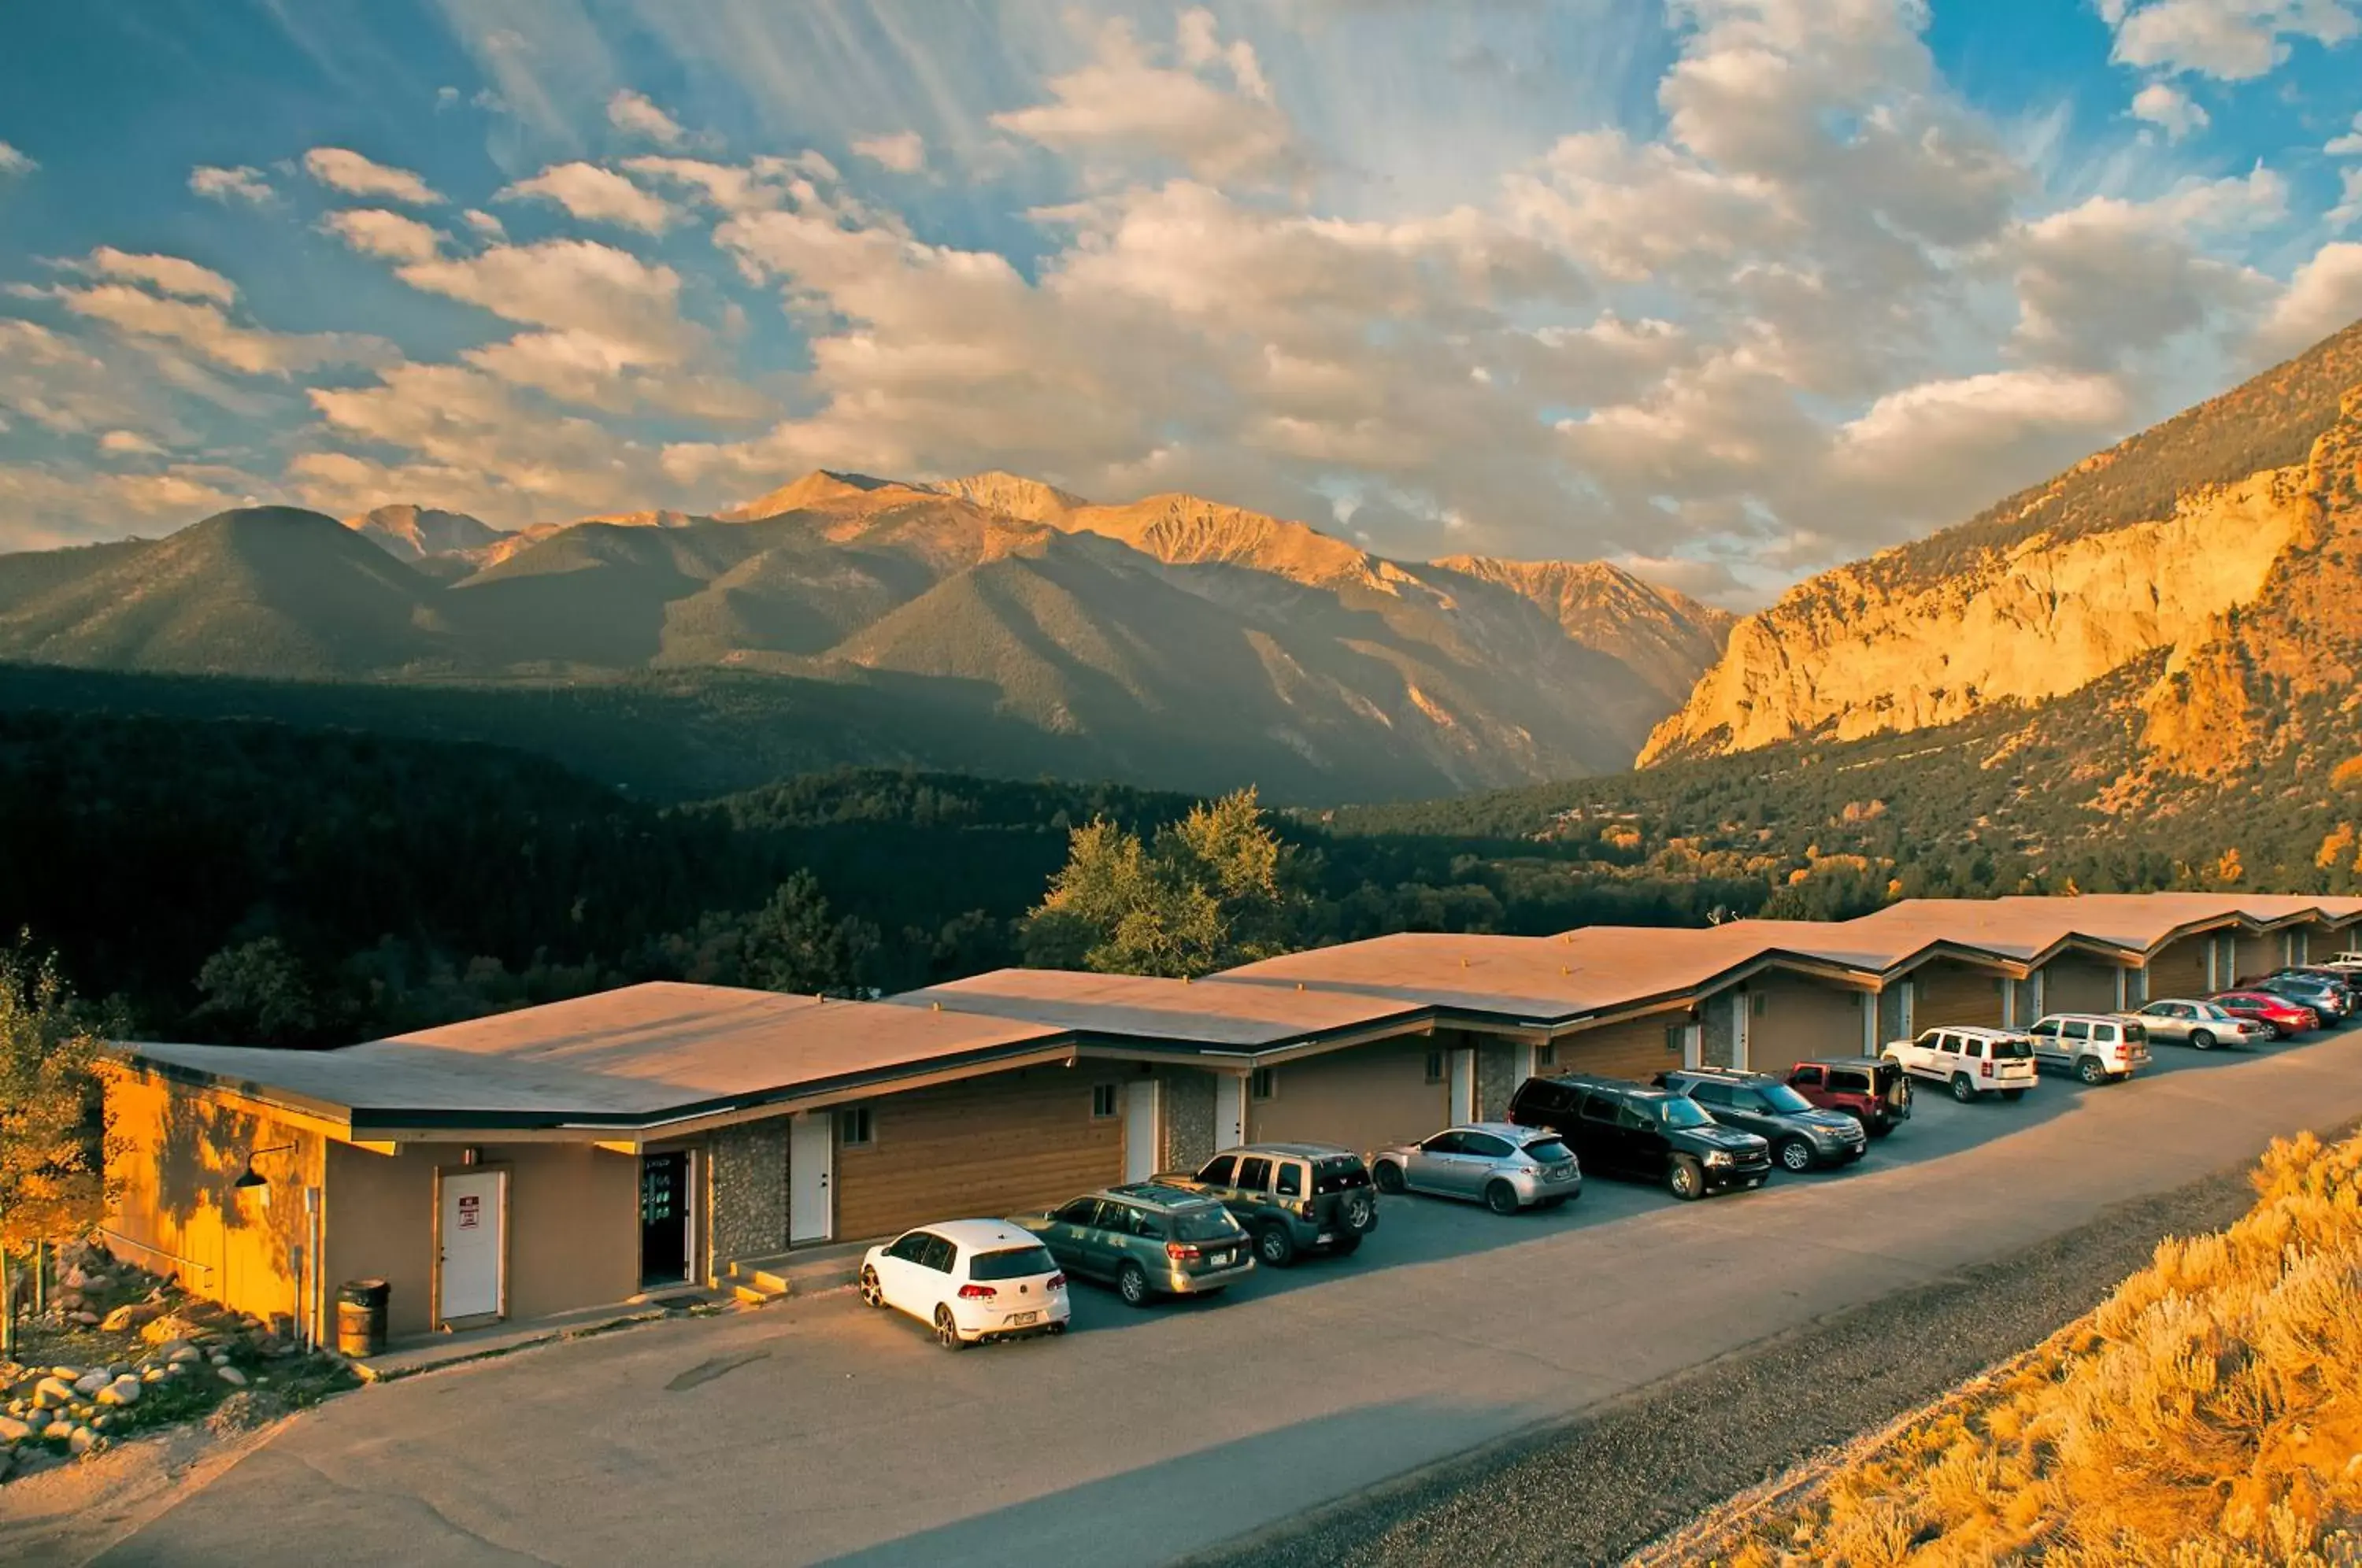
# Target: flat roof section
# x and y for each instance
(621, 1057)
(1211, 1012)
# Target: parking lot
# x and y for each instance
(818, 1431)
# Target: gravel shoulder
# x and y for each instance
(1608, 1483)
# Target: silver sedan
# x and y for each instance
(2201, 1026)
(1498, 1164)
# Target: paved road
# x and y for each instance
(819, 1431)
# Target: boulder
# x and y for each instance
(230, 1375)
(87, 1318)
(184, 1352)
(73, 1279)
(131, 1315)
(83, 1442)
(12, 1430)
(53, 1392)
(122, 1391)
(38, 1420)
(92, 1382)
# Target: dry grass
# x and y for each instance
(2207, 1415)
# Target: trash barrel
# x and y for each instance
(360, 1316)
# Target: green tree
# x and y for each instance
(794, 943)
(257, 993)
(52, 1121)
(1216, 889)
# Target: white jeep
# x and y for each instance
(2096, 1047)
(1969, 1061)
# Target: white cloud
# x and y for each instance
(2231, 41)
(13, 161)
(374, 231)
(2169, 109)
(633, 113)
(128, 444)
(165, 274)
(58, 384)
(2323, 297)
(57, 503)
(240, 183)
(2348, 210)
(1123, 102)
(341, 169)
(2349, 145)
(570, 286)
(596, 195)
(905, 152)
(205, 329)
(485, 224)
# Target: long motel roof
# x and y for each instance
(643, 1055)
(1200, 1017)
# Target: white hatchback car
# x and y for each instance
(970, 1280)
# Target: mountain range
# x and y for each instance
(1173, 639)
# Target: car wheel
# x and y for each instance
(2200, 1040)
(1964, 1088)
(1131, 1283)
(1274, 1246)
(1795, 1154)
(1360, 1212)
(1501, 1198)
(947, 1332)
(870, 1294)
(2012, 1095)
(1687, 1180)
(1346, 1246)
(2090, 1070)
(1389, 1176)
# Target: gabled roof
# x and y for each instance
(622, 1058)
(1150, 1011)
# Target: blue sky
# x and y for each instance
(1729, 289)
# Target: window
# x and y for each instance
(937, 1255)
(1546, 1056)
(1809, 1077)
(1435, 1066)
(852, 1127)
(1676, 1037)
(1012, 1263)
(2105, 1034)
(1288, 1179)
(1255, 1174)
(1102, 1101)
(1845, 1080)
(1079, 1212)
(1976, 1050)
(909, 1248)
(1599, 1107)
(1339, 1172)
(1262, 1083)
(1218, 1171)
(2076, 1028)
(1711, 1093)
(1483, 1146)
(1948, 1044)
(1443, 1144)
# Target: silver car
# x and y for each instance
(1498, 1164)
(2200, 1025)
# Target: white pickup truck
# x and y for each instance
(1970, 1062)
(2346, 961)
(2096, 1047)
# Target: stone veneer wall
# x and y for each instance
(1188, 1117)
(746, 1169)
(1890, 1013)
(1496, 1077)
(1719, 1040)
(2022, 1005)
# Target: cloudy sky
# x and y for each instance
(1729, 289)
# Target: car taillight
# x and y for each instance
(1182, 1251)
(977, 1293)
(1057, 1282)
(1985, 1068)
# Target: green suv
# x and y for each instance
(1146, 1239)
(1292, 1197)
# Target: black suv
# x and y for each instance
(1623, 1129)
(1801, 1136)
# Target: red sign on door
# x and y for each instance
(471, 1210)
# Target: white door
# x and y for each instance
(467, 1277)
(1230, 1111)
(1141, 1140)
(812, 1161)
(1741, 1006)
(1464, 1086)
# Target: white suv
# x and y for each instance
(2097, 1047)
(1970, 1062)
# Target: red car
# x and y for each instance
(2286, 1017)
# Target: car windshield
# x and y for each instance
(1549, 1152)
(2012, 1050)
(1335, 1175)
(1212, 1223)
(1783, 1100)
(1680, 1112)
(1012, 1263)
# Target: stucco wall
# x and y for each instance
(573, 1219)
(179, 1150)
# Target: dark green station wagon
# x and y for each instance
(1147, 1240)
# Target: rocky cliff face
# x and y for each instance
(2178, 539)
(1668, 636)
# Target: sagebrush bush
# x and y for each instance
(2207, 1415)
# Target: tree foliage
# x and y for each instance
(52, 1157)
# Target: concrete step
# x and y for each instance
(805, 1271)
(754, 1294)
(763, 1274)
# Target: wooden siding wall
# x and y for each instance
(2078, 985)
(1633, 1049)
(1800, 1019)
(983, 1148)
(2180, 969)
(1944, 993)
(1363, 1097)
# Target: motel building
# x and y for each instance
(664, 1136)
